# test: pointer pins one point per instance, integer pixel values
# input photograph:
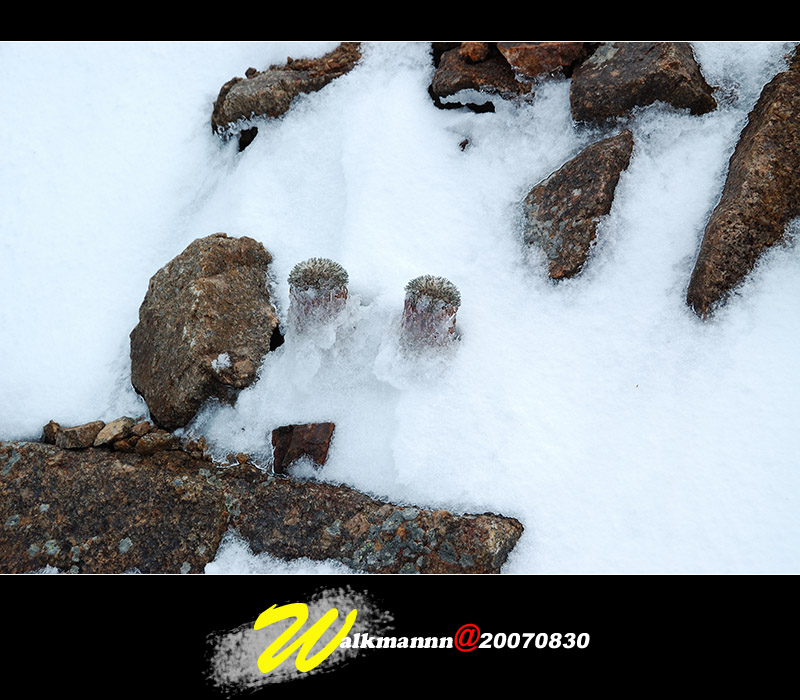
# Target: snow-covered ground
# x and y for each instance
(624, 433)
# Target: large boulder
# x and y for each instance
(98, 510)
(562, 212)
(761, 194)
(622, 75)
(204, 327)
(270, 93)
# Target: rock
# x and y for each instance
(622, 75)
(492, 76)
(291, 442)
(290, 519)
(475, 51)
(204, 327)
(77, 437)
(49, 432)
(562, 212)
(98, 511)
(270, 93)
(142, 428)
(113, 431)
(761, 194)
(533, 59)
(156, 441)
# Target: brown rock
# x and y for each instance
(49, 432)
(156, 441)
(562, 212)
(622, 75)
(115, 430)
(79, 436)
(270, 93)
(142, 428)
(475, 51)
(493, 76)
(320, 521)
(204, 326)
(534, 59)
(291, 442)
(761, 194)
(98, 511)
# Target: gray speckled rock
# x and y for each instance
(100, 511)
(562, 212)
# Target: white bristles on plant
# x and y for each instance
(317, 292)
(429, 313)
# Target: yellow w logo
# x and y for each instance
(273, 657)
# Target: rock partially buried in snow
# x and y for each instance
(210, 301)
(761, 194)
(292, 442)
(563, 211)
(290, 519)
(100, 511)
(270, 93)
(620, 76)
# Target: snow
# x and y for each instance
(624, 433)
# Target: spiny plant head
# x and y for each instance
(318, 273)
(432, 287)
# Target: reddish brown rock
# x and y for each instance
(204, 326)
(291, 442)
(760, 197)
(290, 519)
(98, 511)
(270, 93)
(620, 76)
(534, 59)
(562, 212)
(475, 51)
(492, 76)
(76, 437)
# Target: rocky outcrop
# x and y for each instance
(98, 510)
(286, 519)
(204, 327)
(620, 76)
(761, 194)
(293, 442)
(562, 212)
(270, 93)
